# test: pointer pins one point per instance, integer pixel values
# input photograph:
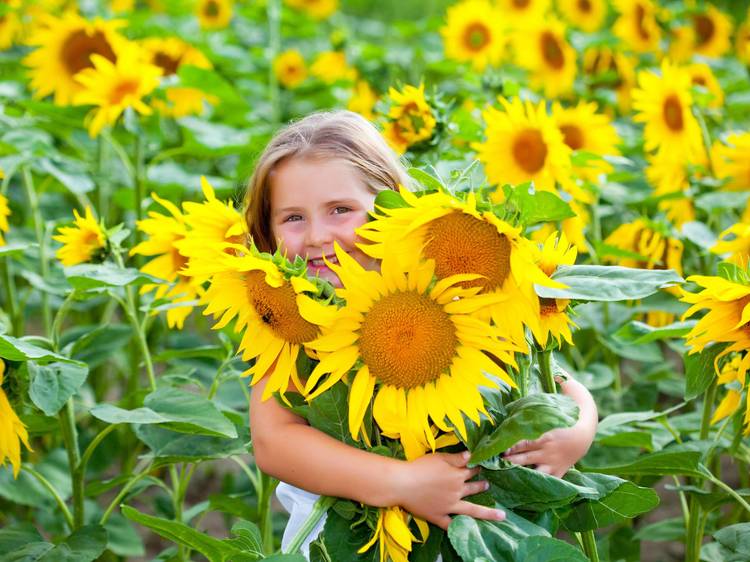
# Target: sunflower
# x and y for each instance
(669, 176)
(554, 320)
(727, 319)
(214, 14)
(731, 161)
(113, 87)
(585, 129)
(212, 225)
(462, 240)
(544, 51)
(331, 67)
(636, 25)
(276, 315)
(169, 54)
(363, 100)
(664, 104)
(742, 41)
(519, 14)
(523, 144)
(4, 214)
(735, 240)
(410, 118)
(393, 535)
(473, 33)
(587, 15)
(611, 69)
(12, 431)
(413, 343)
(712, 30)
(84, 242)
(733, 376)
(64, 48)
(702, 75)
(10, 24)
(290, 68)
(164, 233)
(656, 250)
(316, 9)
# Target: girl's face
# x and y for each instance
(315, 202)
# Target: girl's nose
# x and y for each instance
(318, 235)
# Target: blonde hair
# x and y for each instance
(332, 134)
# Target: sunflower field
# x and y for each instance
(579, 205)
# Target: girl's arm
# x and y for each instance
(558, 450)
(431, 487)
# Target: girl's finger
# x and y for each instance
(546, 469)
(532, 457)
(443, 522)
(479, 511)
(519, 447)
(472, 472)
(471, 488)
(458, 460)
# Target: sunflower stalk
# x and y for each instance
(70, 438)
(320, 508)
(267, 487)
(47, 485)
(10, 298)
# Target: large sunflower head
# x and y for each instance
(611, 69)
(650, 244)
(636, 25)
(587, 130)
(553, 317)
(587, 15)
(83, 242)
(411, 120)
(113, 87)
(64, 47)
(664, 103)
(523, 144)
(712, 30)
(393, 535)
(731, 160)
(702, 75)
(473, 33)
(413, 342)
(546, 53)
(275, 311)
(214, 14)
(669, 176)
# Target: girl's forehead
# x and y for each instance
(304, 179)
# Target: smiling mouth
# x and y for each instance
(320, 262)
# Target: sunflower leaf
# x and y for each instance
(538, 206)
(528, 418)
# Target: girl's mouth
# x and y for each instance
(321, 262)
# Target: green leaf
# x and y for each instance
(639, 332)
(662, 463)
(97, 344)
(189, 413)
(114, 414)
(342, 541)
(83, 545)
(700, 370)
(215, 550)
(699, 234)
(211, 82)
(26, 490)
(52, 384)
(721, 200)
(548, 549)
(431, 183)
(87, 276)
(491, 541)
(211, 351)
(205, 138)
(17, 535)
(329, 413)
(390, 199)
(519, 486)
(608, 282)
(734, 542)
(15, 248)
(122, 538)
(169, 446)
(18, 349)
(247, 538)
(528, 418)
(672, 529)
(625, 502)
(538, 206)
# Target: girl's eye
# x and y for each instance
(341, 210)
(293, 218)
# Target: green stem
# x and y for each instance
(70, 437)
(123, 492)
(138, 183)
(268, 485)
(273, 12)
(254, 479)
(93, 445)
(55, 494)
(60, 318)
(28, 182)
(589, 545)
(318, 511)
(545, 372)
(10, 298)
(729, 490)
(708, 404)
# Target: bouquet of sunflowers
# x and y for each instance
(448, 345)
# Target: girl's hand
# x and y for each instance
(432, 487)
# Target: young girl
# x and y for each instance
(314, 184)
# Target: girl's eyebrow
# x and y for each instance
(284, 210)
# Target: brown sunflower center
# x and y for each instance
(460, 243)
(640, 23)
(699, 81)
(704, 28)
(547, 306)
(77, 49)
(168, 64)
(407, 339)
(584, 6)
(530, 150)
(551, 50)
(672, 111)
(123, 89)
(277, 308)
(211, 9)
(179, 262)
(520, 4)
(476, 36)
(572, 136)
